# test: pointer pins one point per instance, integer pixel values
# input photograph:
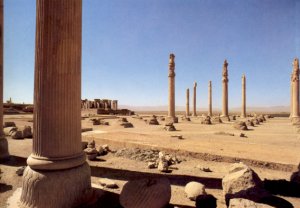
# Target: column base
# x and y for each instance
(4, 154)
(295, 120)
(171, 119)
(59, 188)
(225, 118)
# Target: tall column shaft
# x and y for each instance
(295, 79)
(225, 90)
(171, 109)
(57, 159)
(291, 97)
(3, 141)
(194, 99)
(187, 111)
(210, 99)
(243, 113)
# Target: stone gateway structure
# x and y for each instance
(225, 90)
(57, 174)
(171, 111)
(3, 142)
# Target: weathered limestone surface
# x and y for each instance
(57, 159)
(243, 114)
(225, 90)
(194, 100)
(3, 142)
(210, 99)
(171, 112)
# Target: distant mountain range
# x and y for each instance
(273, 109)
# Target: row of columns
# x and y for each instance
(225, 80)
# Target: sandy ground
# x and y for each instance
(271, 149)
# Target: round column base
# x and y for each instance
(4, 155)
(59, 188)
(225, 118)
(172, 119)
(295, 120)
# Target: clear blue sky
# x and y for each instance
(126, 46)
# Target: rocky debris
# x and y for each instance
(249, 123)
(204, 169)
(26, 131)
(169, 127)
(17, 135)
(147, 192)
(225, 118)
(241, 125)
(163, 162)
(20, 170)
(108, 183)
(269, 116)
(9, 124)
(255, 121)
(9, 130)
(245, 203)
(91, 153)
(242, 135)
(162, 118)
(103, 150)
(127, 125)
(206, 201)
(233, 118)
(206, 120)
(263, 117)
(194, 189)
(98, 121)
(152, 165)
(123, 120)
(242, 182)
(153, 121)
(216, 120)
(223, 133)
(91, 144)
(177, 136)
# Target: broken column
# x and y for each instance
(209, 99)
(194, 99)
(187, 111)
(243, 114)
(295, 80)
(57, 174)
(225, 90)
(171, 112)
(3, 141)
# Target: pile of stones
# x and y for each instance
(92, 152)
(98, 121)
(217, 119)
(185, 118)
(124, 122)
(153, 121)
(10, 129)
(169, 127)
(241, 125)
(206, 120)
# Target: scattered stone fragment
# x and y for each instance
(20, 170)
(152, 165)
(96, 121)
(255, 121)
(169, 127)
(242, 135)
(147, 192)
(108, 183)
(249, 123)
(8, 130)
(177, 136)
(86, 129)
(91, 153)
(194, 189)
(9, 124)
(217, 120)
(26, 131)
(204, 169)
(233, 118)
(241, 125)
(162, 119)
(91, 144)
(17, 135)
(84, 145)
(206, 121)
(186, 118)
(122, 120)
(245, 203)
(127, 125)
(153, 121)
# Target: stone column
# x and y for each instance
(243, 113)
(225, 90)
(171, 112)
(209, 99)
(3, 142)
(194, 99)
(295, 80)
(187, 111)
(57, 174)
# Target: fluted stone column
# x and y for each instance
(225, 90)
(187, 110)
(57, 174)
(194, 99)
(295, 116)
(209, 99)
(243, 113)
(171, 112)
(3, 141)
